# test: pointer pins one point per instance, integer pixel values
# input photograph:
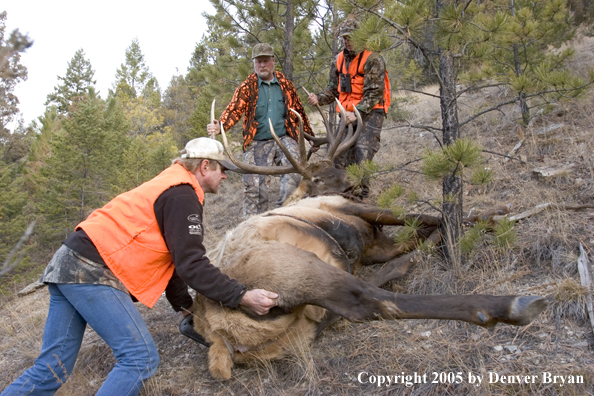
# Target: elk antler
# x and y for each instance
(299, 168)
(302, 150)
(351, 138)
(256, 169)
(337, 146)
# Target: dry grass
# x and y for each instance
(542, 262)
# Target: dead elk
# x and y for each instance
(306, 253)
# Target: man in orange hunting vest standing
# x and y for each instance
(358, 80)
(142, 243)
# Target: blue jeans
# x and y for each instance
(112, 314)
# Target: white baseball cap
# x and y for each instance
(207, 148)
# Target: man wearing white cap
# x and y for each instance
(144, 242)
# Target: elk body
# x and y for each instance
(306, 253)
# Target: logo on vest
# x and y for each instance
(194, 218)
(195, 229)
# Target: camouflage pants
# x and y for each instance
(267, 153)
(368, 143)
(366, 146)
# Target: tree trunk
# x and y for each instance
(288, 44)
(452, 185)
(518, 70)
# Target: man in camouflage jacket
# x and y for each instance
(265, 94)
(372, 101)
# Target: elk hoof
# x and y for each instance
(525, 309)
(482, 318)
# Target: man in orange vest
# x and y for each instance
(142, 243)
(358, 80)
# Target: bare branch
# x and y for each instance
(7, 266)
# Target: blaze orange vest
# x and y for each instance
(126, 234)
(357, 72)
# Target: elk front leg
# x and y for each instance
(359, 301)
(300, 277)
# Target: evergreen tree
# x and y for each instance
(11, 72)
(144, 159)
(76, 82)
(177, 109)
(79, 174)
(521, 58)
(133, 78)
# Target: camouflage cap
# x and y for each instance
(262, 49)
(347, 26)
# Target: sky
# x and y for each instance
(166, 31)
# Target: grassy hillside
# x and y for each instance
(543, 261)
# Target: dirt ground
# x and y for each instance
(551, 356)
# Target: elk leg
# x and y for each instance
(300, 277)
(394, 269)
(360, 301)
(398, 267)
(329, 319)
(377, 216)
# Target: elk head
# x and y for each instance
(318, 177)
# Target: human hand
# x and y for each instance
(186, 312)
(214, 128)
(350, 117)
(260, 301)
(312, 99)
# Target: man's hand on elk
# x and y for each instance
(260, 301)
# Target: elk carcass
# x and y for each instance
(306, 253)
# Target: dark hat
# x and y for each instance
(347, 26)
(262, 49)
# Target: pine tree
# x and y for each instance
(76, 82)
(79, 174)
(177, 109)
(11, 71)
(133, 78)
(521, 58)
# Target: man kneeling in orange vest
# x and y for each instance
(144, 242)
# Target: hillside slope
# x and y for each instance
(348, 357)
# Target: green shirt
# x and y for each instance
(271, 104)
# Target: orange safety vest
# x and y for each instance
(357, 72)
(127, 236)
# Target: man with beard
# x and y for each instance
(359, 79)
(265, 95)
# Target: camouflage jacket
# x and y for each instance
(244, 102)
(373, 87)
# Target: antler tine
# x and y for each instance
(254, 169)
(331, 154)
(350, 141)
(298, 167)
(329, 136)
(317, 141)
(302, 150)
